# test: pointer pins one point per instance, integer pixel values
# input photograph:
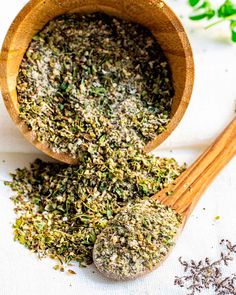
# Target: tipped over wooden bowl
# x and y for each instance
(153, 14)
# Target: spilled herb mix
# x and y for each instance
(91, 80)
(61, 208)
(136, 240)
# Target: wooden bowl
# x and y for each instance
(153, 14)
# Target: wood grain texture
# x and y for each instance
(153, 14)
(184, 194)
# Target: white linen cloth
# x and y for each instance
(212, 107)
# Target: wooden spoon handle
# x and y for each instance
(184, 194)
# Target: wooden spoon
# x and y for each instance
(188, 188)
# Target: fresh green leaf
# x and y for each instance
(209, 14)
(205, 5)
(233, 30)
(204, 11)
(226, 9)
(193, 3)
(198, 17)
(226, 12)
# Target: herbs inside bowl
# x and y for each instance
(87, 78)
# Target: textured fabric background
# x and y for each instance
(211, 108)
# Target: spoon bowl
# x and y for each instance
(182, 195)
(153, 14)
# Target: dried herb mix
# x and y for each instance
(61, 208)
(94, 80)
(136, 240)
(97, 88)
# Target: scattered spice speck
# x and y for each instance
(71, 272)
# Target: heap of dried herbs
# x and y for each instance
(97, 88)
(61, 208)
(93, 80)
(208, 275)
(136, 240)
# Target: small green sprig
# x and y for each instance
(203, 9)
